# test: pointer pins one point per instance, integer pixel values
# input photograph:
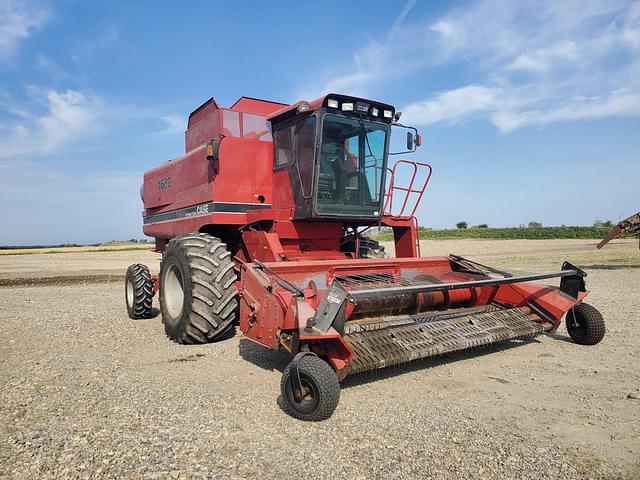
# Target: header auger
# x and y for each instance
(260, 224)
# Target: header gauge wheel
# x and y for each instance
(585, 324)
(319, 394)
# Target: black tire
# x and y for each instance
(322, 384)
(369, 248)
(198, 295)
(585, 324)
(138, 291)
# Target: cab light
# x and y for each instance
(332, 103)
(388, 114)
(374, 112)
(347, 107)
(362, 107)
(303, 107)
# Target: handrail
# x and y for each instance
(417, 230)
(388, 206)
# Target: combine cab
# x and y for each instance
(261, 224)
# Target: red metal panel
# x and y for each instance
(261, 314)
(202, 112)
(262, 246)
(244, 178)
(405, 235)
(256, 106)
(549, 298)
(323, 271)
(157, 187)
(179, 183)
(282, 194)
(245, 171)
(202, 132)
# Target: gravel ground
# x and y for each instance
(88, 393)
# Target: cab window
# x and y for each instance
(283, 142)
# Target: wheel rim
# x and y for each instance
(309, 403)
(173, 291)
(577, 324)
(129, 293)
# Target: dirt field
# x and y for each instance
(88, 393)
(109, 247)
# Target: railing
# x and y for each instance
(407, 210)
(417, 230)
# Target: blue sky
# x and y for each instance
(530, 111)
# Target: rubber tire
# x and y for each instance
(140, 278)
(369, 248)
(590, 327)
(210, 305)
(317, 374)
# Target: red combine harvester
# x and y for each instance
(260, 224)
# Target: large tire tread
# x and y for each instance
(212, 298)
(592, 327)
(325, 378)
(140, 278)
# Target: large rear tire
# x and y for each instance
(198, 295)
(138, 291)
(585, 324)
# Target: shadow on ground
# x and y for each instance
(263, 357)
(426, 363)
(267, 359)
(152, 314)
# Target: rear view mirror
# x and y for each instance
(404, 142)
(410, 142)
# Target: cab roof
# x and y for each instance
(290, 110)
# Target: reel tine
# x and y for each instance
(401, 342)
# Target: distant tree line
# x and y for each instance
(131, 240)
(462, 225)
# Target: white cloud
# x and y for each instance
(452, 106)
(616, 104)
(542, 59)
(51, 121)
(453, 35)
(70, 116)
(537, 63)
(525, 63)
(175, 124)
(371, 65)
(630, 30)
(509, 110)
(18, 20)
(491, 31)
